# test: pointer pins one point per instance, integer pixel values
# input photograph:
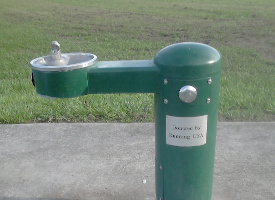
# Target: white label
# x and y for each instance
(186, 131)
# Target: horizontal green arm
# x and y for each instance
(136, 76)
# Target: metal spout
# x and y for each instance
(56, 58)
(56, 51)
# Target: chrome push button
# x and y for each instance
(187, 94)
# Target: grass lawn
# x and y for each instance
(242, 31)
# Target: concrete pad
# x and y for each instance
(245, 162)
(116, 161)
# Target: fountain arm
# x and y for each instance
(134, 76)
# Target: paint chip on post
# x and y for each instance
(186, 131)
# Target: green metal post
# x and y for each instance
(185, 79)
(186, 131)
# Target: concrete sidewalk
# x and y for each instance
(116, 161)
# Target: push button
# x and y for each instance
(187, 94)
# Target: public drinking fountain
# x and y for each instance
(185, 79)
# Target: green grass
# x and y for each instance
(243, 32)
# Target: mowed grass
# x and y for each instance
(242, 31)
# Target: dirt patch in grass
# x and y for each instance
(255, 34)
